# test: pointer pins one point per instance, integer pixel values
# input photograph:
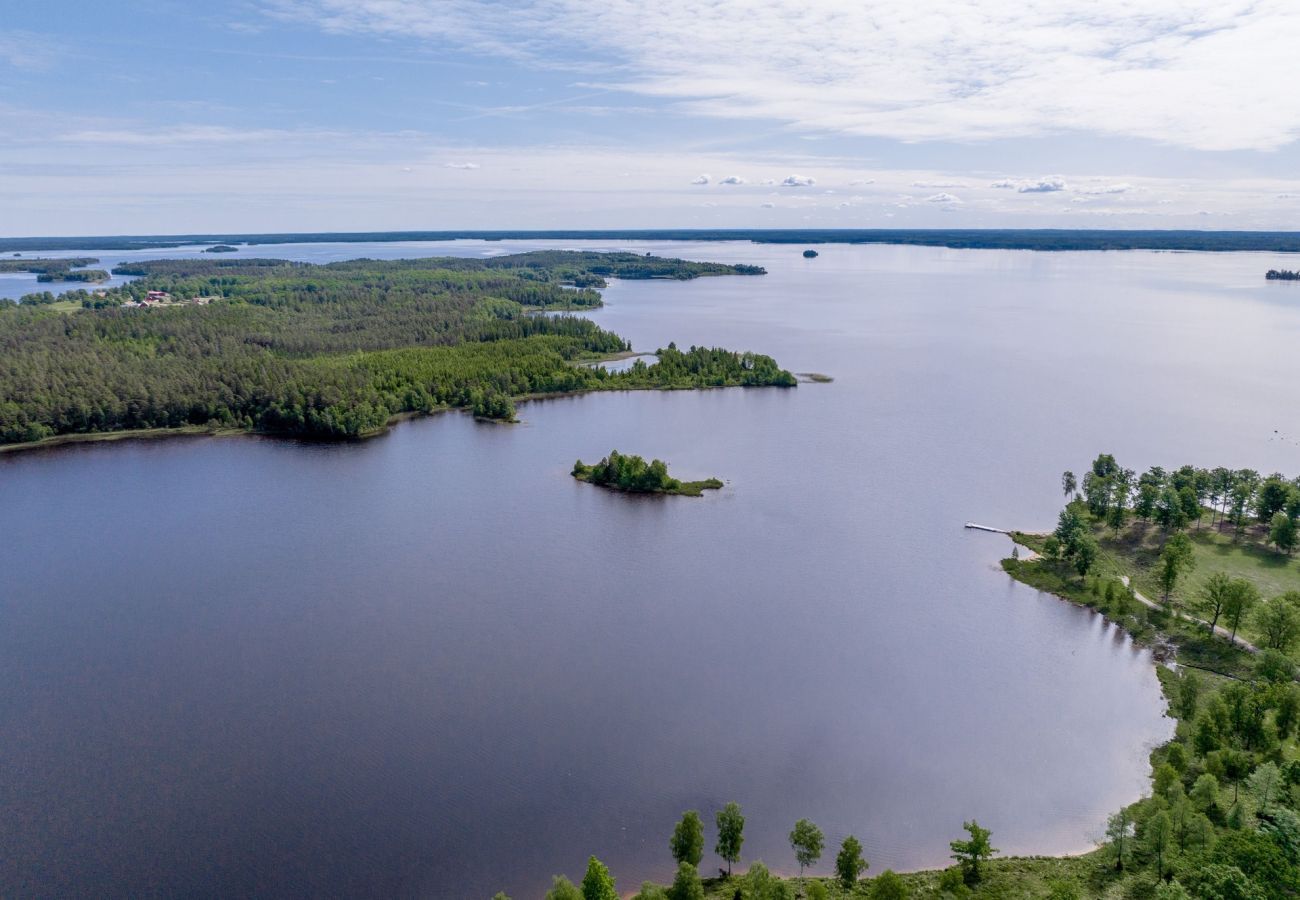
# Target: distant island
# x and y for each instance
(221, 248)
(809, 254)
(1282, 275)
(332, 352)
(47, 270)
(633, 475)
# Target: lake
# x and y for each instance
(434, 665)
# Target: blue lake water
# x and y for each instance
(434, 665)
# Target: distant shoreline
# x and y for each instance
(1046, 239)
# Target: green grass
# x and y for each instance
(1136, 552)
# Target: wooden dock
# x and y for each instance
(987, 528)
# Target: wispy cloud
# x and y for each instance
(1195, 73)
(461, 165)
(732, 179)
(25, 50)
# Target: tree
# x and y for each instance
(731, 834)
(1144, 507)
(1119, 837)
(598, 884)
(686, 884)
(500, 895)
(1175, 560)
(1241, 598)
(1214, 595)
(971, 853)
(687, 843)
(1158, 837)
(1279, 621)
(1264, 784)
(1282, 533)
(849, 864)
(888, 886)
(1068, 485)
(563, 889)
(1085, 554)
(806, 840)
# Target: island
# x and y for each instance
(809, 254)
(1282, 275)
(93, 276)
(332, 352)
(221, 248)
(633, 475)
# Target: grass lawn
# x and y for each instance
(1136, 551)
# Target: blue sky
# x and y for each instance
(271, 115)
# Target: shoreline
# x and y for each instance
(94, 437)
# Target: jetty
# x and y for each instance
(987, 528)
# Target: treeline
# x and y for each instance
(758, 883)
(1266, 506)
(1003, 238)
(320, 351)
(1282, 275)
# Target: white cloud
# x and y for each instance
(1121, 188)
(1005, 184)
(798, 181)
(943, 197)
(732, 179)
(1042, 186)
(700, 179)
(938, 184)
(862, 181)
(462, 165)
(768, 205)
(1193, 73)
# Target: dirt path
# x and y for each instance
(1218, 629)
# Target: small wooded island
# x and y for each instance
(1282, 275)
(221, 248)
(809, 254)
(633, 475)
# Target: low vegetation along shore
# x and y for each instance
(1197, 564)
(332, 351)
(633, 475)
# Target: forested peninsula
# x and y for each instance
(332, 351)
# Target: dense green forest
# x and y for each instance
(991, 238)
(633, 475)
(332, 351)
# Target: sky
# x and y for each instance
(163, 116)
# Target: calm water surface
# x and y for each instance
(433, 665)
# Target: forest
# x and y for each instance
(332, 351)
(633, 475)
